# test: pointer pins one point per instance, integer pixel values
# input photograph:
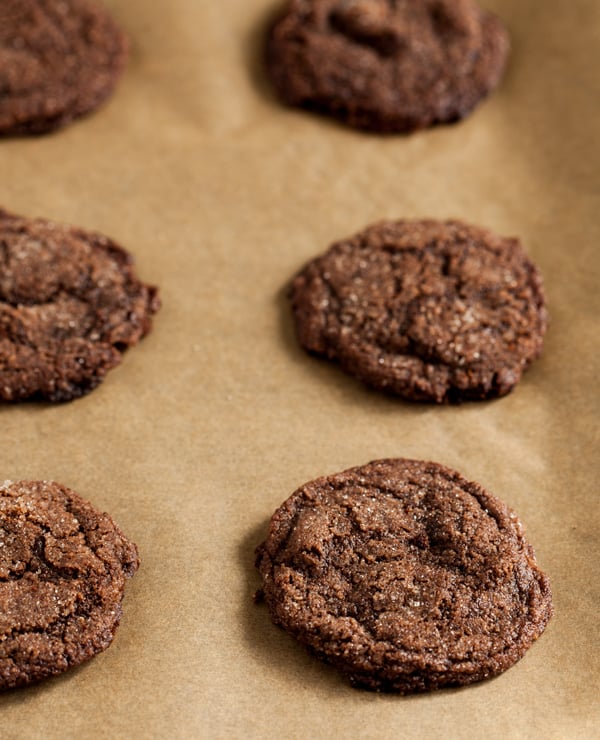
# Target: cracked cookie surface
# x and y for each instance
(63, 568)
(70, 305)
(405, 576)
(428, 310)
(59, 59)
(387, 65)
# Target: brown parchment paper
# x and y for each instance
(210, 423)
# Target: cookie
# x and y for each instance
(386, 65)
(70, 305)
(428, 310)
(63, 568)
(59, 59)
(404, 576)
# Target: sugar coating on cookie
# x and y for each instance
(59, 59)
(70, 305)
(386, 65)
(405, 576)
(437, 311)
(63, 568)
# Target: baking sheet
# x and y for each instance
(215, 418)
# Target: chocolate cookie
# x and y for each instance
(63, 567)
(387, 65)
(405, 576)
(70, 305)
(59, 59)
(431, 311)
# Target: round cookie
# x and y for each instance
(387, 65)
(404, 576)
(427, 310)
(59, 59)
(63, 567)
(70, 305)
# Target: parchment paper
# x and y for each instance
(210, 423)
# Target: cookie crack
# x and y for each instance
(361, 538)
(96, 550)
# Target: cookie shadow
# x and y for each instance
(25, 695)
(327, 371)
(277, 652)
(255, 46)
(274, 651)
(39, 404)
(350, 390)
